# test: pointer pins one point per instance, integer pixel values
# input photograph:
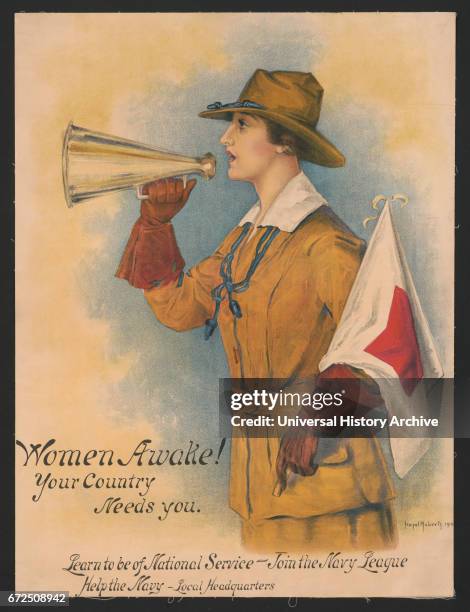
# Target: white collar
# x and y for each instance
(296, 201)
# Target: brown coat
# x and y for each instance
(289, 314)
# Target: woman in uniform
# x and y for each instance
(275, 288)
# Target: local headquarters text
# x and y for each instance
(316, 401)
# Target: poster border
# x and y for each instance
(462, 340)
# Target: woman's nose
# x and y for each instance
(227, 137)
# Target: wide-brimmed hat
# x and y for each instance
(291, 99)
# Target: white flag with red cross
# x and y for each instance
(383, 331)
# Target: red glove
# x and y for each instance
(152, 257)
(166, 198)
(297, 450)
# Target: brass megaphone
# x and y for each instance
(95, 164)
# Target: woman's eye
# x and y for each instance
(242, 124)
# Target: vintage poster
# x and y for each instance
(217, 212)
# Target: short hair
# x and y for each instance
(278, 134)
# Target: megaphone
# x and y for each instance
(95, 164)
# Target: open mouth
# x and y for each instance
(231, 157)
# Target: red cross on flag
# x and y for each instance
(383, 331)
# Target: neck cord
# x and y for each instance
(227, 287)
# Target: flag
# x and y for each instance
(383, 331)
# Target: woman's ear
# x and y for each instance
(286, 149)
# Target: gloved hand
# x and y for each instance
(152, 257)
(297, 450)
(165, 199)
(296, 453)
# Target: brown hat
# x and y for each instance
(291, 99)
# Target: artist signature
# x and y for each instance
(422, 524)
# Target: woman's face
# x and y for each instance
(248, 148)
